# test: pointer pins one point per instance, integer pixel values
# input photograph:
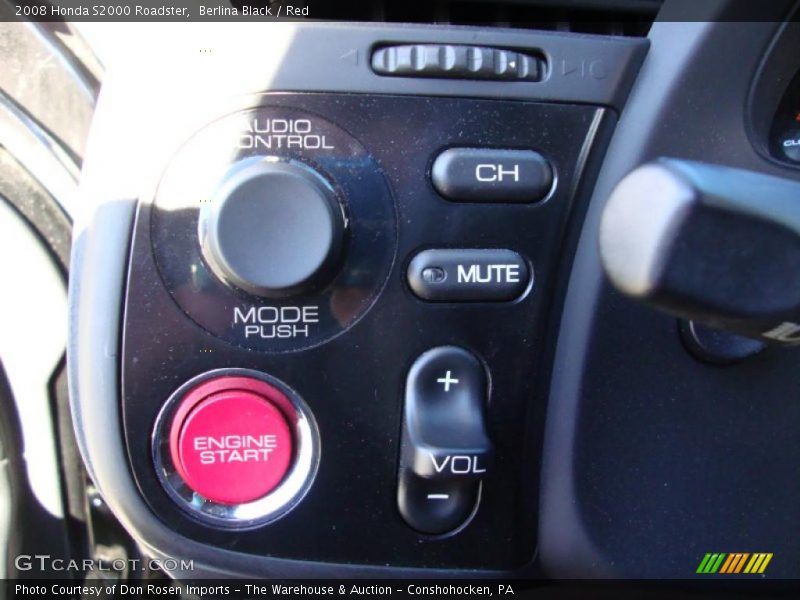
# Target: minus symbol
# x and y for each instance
(438, 496)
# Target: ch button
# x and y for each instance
(491, 175)
(445, 448)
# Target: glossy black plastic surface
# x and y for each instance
(354, 382)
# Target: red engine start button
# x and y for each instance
(230, 441)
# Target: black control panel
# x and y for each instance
(382, 272)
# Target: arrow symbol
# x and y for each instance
(350, 56)
(568, 67)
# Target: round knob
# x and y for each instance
(272, 228)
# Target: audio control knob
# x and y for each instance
(272, 228)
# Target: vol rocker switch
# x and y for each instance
(445, 448)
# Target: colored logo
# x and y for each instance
(734, 563)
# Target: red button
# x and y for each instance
(230, 441)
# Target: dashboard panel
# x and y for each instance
(342, 305)
(404, 269)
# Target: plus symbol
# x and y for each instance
(446, 381)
